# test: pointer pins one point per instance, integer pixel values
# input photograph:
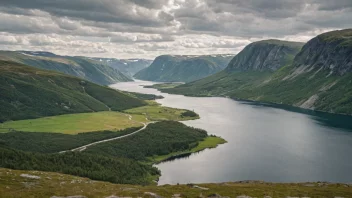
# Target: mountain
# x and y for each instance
(27, 92)
(167, 68)
(81, 67)
(128, 67)
(267, 55)
(318, 78)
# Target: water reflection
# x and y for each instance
(267, 142)
(322, 118)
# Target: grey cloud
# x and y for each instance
(333, 5)
(149, 27)
(117, 11)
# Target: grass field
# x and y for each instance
(76, 123)
(46, 184)
(155, 112)
(208, 142)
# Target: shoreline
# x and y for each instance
(266, 103)
(208, 143)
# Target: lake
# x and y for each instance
(265, 142)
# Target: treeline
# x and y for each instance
(188, 113)
(116, 170)
(55, 142)
(159, 138)
(114, 99)
(142, 96)
(118, 161)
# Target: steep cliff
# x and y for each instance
(330, 51)
(267, 55)
(167, 68)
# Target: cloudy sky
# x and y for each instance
(147, 28)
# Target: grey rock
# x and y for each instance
(330, 51)
(154, 195)
(216, 196)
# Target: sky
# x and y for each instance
(148, 28)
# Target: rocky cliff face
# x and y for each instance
(168, 68)
(267, 55)
(330, 51)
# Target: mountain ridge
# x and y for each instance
(317, 78)
(81, 67)
(129, 67)
(268, 55)
(179, 68)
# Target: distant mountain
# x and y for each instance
(27, 92)
(82, 67)
(318, 77)
(168, 68)
(128, 67)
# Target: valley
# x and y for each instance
(142, 133)
(273, 143)
(316, 76)
(175, 99)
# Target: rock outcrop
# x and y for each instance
(329, 51)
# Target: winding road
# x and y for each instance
(82, 148)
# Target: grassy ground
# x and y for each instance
(156, 112)
(208, 142)
(76, 123)
(12, 185)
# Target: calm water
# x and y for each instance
(264, 142)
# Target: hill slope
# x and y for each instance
(129, 67)
(20, 183)
(318, 78)
(27, 92)
(167, 68)
(81, 67)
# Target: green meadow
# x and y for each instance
(76, 123)
(154, 111)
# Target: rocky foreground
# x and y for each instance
(14, 183)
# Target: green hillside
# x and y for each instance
(167, 68)
(22, 183)
(27, 92)
(81, 67)
(318, 77)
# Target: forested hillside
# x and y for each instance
(27, 92)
